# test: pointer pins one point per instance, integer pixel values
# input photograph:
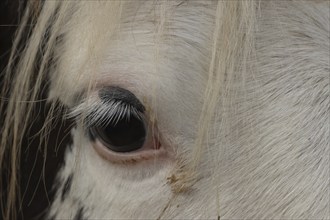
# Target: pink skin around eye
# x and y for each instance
(151, 149)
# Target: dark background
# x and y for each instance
(10, 11)
(37, 189)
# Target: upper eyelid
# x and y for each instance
(114, 92)
(99, 113)
(95, 110)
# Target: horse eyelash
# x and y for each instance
(99, 113)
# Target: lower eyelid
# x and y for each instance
(145, 153)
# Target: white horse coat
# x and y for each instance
(266, 152)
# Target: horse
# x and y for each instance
(181, 109)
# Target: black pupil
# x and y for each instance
(125, 136)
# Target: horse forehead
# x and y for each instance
(132, 56)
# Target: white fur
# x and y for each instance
(272, 162)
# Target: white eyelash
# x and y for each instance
(99, 113)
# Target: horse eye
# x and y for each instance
(126, 135)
